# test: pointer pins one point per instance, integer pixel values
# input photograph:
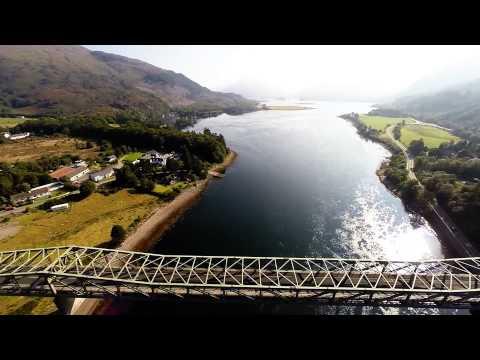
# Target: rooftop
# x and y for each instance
(61, 172)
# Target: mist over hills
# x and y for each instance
(450, 98)
(74, 80)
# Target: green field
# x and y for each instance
(131, 156)
(11, 122)
(86, 223)
(432, 136)
(381, 122)
(169, 189)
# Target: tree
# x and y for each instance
(87, 188)
(118, 233)
(397, 131)
(416, 147)
(126, 177)
(173, 164)
(187, 156)
(146, 185)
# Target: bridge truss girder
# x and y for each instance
(97, 273)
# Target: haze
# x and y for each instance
(333, 72)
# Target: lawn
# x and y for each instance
(381, 122)
(169, 189)
(11, 122)
(131, 156)
(87, 223)
(432, 136)
(33, 148)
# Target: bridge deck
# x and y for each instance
(92, 272)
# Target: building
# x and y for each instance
(79, 163)
(77, 173)
(60, 207)
(61, 172)
(155, 158)
(71, 173)
(52, 186)
(102, 174)
(111, 159)
(33, 194)
(17, 136)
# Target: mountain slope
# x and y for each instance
(457, 107)
(73, 79)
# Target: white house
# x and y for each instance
(102, 174)
(60, 207)
(111, 159)
(79, 163)
(154, 157)
(51, 187)
(17, 136)
(77, 173)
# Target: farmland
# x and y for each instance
(33, 148)
(432, 136)
(381, 122)
(87, 223)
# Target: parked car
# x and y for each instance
(8, 208)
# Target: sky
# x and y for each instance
(353, 72)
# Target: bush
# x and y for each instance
(146, 186)
(118, 234)
(87, 188)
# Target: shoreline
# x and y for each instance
(450, 247)
(150, 230)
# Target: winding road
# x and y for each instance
(457, 238)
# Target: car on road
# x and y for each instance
(8, 208)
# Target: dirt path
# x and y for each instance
(9, 229)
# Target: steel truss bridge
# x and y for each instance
(98, 273)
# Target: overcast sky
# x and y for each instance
(360, 71)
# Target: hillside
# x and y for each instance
(457, 107)
(74, 80)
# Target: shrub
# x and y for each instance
(117, 234)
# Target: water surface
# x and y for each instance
(304, 184)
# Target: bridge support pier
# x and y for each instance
(64, 304)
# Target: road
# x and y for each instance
(457, 238)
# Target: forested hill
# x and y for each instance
(457, 107)
(48, 80)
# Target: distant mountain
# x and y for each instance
(451, 76)
(74, 80)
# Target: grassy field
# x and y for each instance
(11, 122)
(381, 122)
(431, 136)
(169, 189)
(131, 156)
(33, 148)
(87, 223)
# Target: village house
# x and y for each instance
(155, 158)
(51, 187)
(78, 173)
(33, 194)
(79, 163)
(111, 159)
(102, 174)
(71, 173)
(16, 136)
